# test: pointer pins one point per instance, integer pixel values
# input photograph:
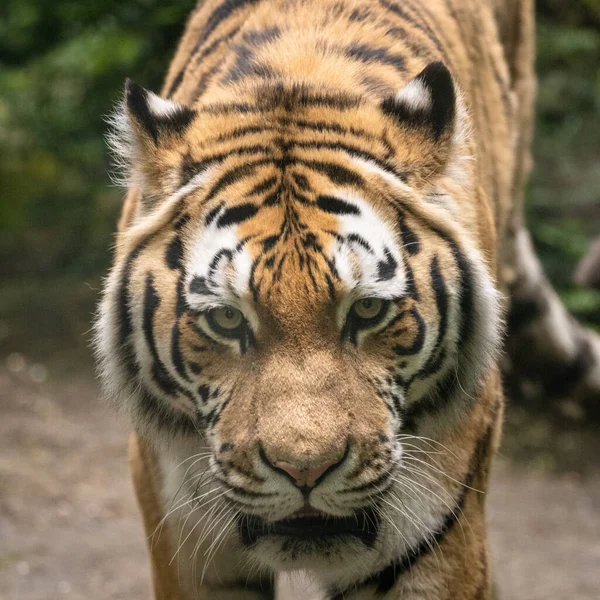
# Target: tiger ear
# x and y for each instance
(144, 128)
(427, 102)
(154, 117)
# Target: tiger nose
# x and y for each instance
(305, 477)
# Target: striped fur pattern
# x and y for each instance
(307, 159)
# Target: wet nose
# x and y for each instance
(305, 475)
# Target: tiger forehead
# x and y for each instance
(292, 242)
(294, 128)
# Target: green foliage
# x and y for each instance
(62, 66)
(563, 204)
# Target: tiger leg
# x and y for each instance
(146, 485)
(174, 575)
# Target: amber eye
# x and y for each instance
(368, 309)
(225, 319)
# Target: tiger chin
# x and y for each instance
(304, 314)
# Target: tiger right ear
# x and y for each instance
(144, 126)
(427, 102)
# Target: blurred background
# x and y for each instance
(68, 524)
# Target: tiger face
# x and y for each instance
(298, 291)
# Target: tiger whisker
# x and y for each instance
(416, 523)
(196, 525)
(219, 540)
(441, 472)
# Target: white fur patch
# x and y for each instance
(359, 266)
(160, 107)
(372, 167)
(215, 258)
(415, 95)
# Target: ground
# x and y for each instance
(69, 526)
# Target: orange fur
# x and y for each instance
(269, 68)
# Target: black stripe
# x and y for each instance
(445, 389)
(411, 285)
(198, 57)
(400, 12)
(182, 221)
(221, 156)
(386, 269)
(276, 98)
(222, 13)
(125, 324)
(205, 79)
(417, 49)
(216, 259)
(281, 95)
(301, 181)
(441, 301)
(231, 177)
(374, 483)
(237, 214)
(212, 214)
(437, 36)
(337, 173)
(366, 54)
(239, 132)
(181, 308)
(354, 150)
(174, 253)
(328, 126)
(320, 126)
(467, 299)
(159, 372)
(263, 186)
(410, 240)
(419, 340)
(189, 169)
(337, 206)
(269, 242)
(176, 81)
(199, 286)
(245, 64)
(354, 238)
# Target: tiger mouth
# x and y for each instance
(363, 524)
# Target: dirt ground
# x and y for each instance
(69, 526)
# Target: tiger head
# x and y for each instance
(300, 289)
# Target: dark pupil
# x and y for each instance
(228, 314)
(367, 304)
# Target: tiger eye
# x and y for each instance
(367, 308)
(226, 317)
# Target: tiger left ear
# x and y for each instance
(154, 116)
(427, 102)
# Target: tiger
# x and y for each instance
(321, 256)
